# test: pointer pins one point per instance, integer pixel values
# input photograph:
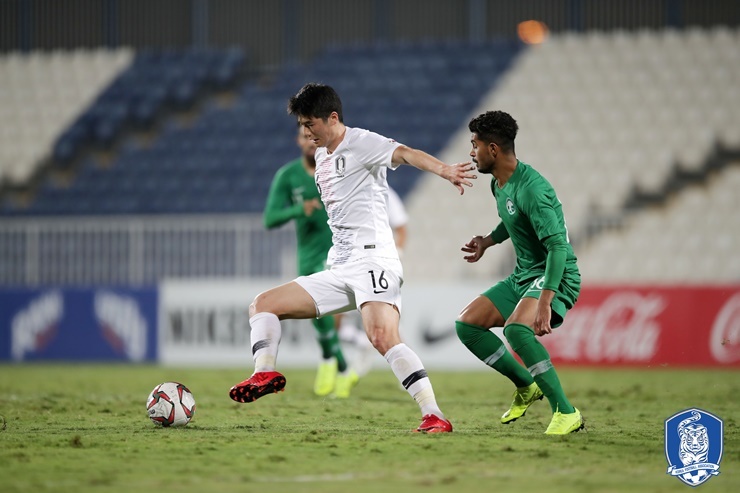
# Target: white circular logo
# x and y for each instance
(510, 207)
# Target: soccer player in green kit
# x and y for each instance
(294, 196)
(543, 287)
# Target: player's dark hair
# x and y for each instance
(495, 126)
(316, 101)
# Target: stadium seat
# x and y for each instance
(191, 169)
(600, 115)
(40, 110)
(701, 240)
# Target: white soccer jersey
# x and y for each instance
(354, 190)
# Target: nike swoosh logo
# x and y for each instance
(378, 292)
(436, 336)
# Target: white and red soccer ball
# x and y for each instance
(170, 404)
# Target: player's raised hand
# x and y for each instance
(475, 248)
(460, 174)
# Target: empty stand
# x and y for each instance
(600, 115)
(155, 80)
(223, 161)
(42, 93)
(695, 237)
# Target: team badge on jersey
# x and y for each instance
(693, 445)
(340, 165)
(510, 206)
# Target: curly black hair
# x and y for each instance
(495, 126)
(315, 101)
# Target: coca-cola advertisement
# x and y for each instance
(655, 326)
(207, 323)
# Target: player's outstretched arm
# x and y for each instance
(458, 174)
(477, 247)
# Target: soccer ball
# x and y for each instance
(170, 404)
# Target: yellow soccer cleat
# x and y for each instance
(326, 378)
(523, 398)
(345, 383)
(562, 424)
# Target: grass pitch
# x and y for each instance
(81, 428)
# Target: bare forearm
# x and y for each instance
(546, 296)
(419, 159)
(458, 174)
(487, 241)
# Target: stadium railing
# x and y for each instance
(141, 250)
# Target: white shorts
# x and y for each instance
(345, 287)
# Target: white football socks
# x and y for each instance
(409, 370)
(265, 337)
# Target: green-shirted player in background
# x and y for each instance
(294, 196)
(543, 287)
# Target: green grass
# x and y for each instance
(84, 428)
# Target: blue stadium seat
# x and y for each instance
(224, 161)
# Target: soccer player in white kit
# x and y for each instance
(364, 269)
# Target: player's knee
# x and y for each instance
(467, 333)
(253, 308)
(383, 339)
(518, 336)
(382, 344)
(260, 304)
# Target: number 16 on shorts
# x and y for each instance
(379, 282)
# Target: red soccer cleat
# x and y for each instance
(434, 424)
(259, 384)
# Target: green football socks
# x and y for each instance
(329, 341)
(490, 349)
(537, 359)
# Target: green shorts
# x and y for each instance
(507, 293)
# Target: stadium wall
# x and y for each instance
(206, 323)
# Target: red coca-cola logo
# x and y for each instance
(624, 327)
(724, 343)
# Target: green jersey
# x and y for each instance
(291, 186)
(532, 216)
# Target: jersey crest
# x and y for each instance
(340, 165)
(510, 208)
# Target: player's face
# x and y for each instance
(481, 155)
(308, 147)
(317, 130)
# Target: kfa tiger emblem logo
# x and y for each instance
(694, 440)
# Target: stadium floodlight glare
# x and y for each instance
(532, 32)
